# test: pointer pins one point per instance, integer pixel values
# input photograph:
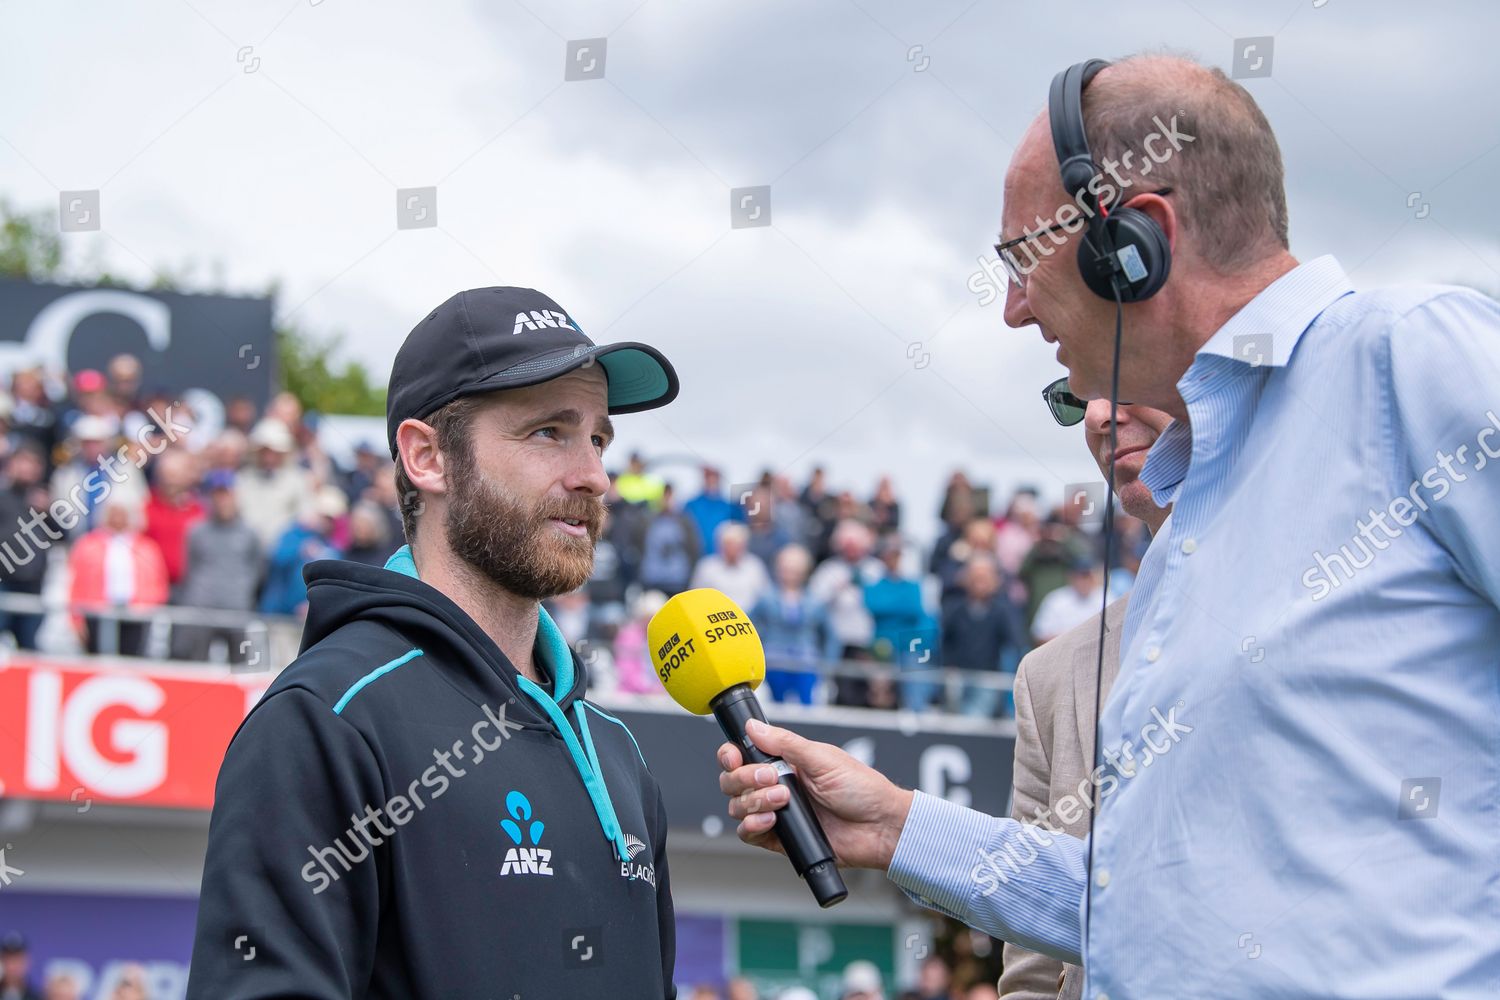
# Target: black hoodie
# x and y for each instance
(403, 815)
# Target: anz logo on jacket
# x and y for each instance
(537, 860)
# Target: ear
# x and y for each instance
(1159, 208)
(417, 449)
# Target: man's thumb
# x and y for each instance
(798, 751)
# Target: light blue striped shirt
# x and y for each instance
(1303, 789)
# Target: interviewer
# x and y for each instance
(1304, 759)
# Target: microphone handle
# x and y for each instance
(797, 826)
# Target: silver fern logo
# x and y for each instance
(632, 869)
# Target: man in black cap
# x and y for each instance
(15, 968)
(423, 804)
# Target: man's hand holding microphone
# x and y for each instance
(861, 810)
(811, 801)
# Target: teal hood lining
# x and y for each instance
(558, 658)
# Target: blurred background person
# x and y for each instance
(115, 567)
(84, 481)
(633, 670)
(1045, 568)
(670, 547)
(1017, 531)
(359, 481)
(32, 417)
(224, 567)
(793, 627)
(982, 632)
(885, 509)
(820, 515)
(273, 487)
(733, 568)
(131, 984)
(934, 979)
(862, 981)
(838, 584)
(904, 634)
(711, 508)
(772, 525)
(15, 968)
(370, 540)
(636, 485)
(23, 491)
(61, 986)
(308, 539)
(172, 508)
(1075, 602)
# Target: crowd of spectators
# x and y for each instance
(850, 610)
(140, 507)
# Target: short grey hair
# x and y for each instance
(1229, 183)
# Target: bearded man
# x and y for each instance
(423, 804)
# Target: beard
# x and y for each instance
(514, 543)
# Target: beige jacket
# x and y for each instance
(1054, 754)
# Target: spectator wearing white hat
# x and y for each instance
(272, 487)
(862, 981)
(94, 473)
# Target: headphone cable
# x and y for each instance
(1109, 532)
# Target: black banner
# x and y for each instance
(967, 763)
(215, 343)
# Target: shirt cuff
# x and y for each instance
(938, 849)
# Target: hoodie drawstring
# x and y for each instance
(559, 658)
(586, 763)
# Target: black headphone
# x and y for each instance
(1123, 249)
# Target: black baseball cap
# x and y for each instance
(486, 339)
(12, 943)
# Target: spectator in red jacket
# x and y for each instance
(172, 509)
(116, 565)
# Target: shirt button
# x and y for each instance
(1153, 653)
(1102, 879)
(1189, 546)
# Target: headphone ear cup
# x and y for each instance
(1129, 227)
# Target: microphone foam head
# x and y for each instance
(702, 644)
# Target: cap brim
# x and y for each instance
(640, 377)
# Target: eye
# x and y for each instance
(545, 431)
(601, 442)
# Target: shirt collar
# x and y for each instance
(1266, 329)
(1264, 333)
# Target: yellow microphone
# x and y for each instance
(709, 658)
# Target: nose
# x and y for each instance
(585, 474)
(1017, 309)
(1096, 416)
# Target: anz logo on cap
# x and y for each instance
(538, 319)
(521, 860)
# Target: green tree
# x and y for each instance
(309, 372)
(30, 245)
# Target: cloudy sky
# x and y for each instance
(267, 140)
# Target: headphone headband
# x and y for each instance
(1065, 111)
(1124, 254)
